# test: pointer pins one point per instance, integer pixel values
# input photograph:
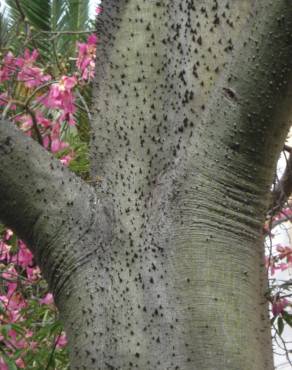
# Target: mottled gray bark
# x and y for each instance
(166, 271)
(49, 207)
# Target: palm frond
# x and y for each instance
(47, 18)
(4, 30)
(75, 18)
(37, 12)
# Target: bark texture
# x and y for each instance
(49, 207)
(163, 262)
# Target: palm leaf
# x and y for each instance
(37, 12)
(4, 30)
(75, 18)
(47, 17)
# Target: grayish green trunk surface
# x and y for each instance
(162, 268)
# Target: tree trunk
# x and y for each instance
(162, 268)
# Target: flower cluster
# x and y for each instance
(43, 106)
(277, 261)
(19, 275)
(86, 58)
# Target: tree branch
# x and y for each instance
(283, 189)
(47, 205)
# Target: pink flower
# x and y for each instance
(61, 97)
(66, 159)
(27, 59)
(56, 143)
(24, 256)
(33, 273)
(3, 365)
(8, 234)
(285, 213)
(8, 68)
(3, 96)
(61, 341)
(98, 10)
(86, 57)
(25, 121)
(270, 263)
(18, 341)
(92, 40)
(43, 121)
(16, 302)
(31, 75)
(48, 299)
(278, 305)
(20, 363)
(4, 100)
(4, 251)
(10, 275)
(12, 308)
(285, 252)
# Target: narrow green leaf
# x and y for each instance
(280, 323)
(9, 362)
(288, 318)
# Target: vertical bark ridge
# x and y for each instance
(221, 201)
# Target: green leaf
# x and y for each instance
(5, 329)
(272, 320)
(280, 323)
(287, 317)
(9, 361)
(18, 328)
(47, 16)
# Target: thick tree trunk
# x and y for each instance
(165, 269)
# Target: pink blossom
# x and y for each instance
(8, 68)
(66, 159)
(61, 341)
(26, 124)
(4, 251)
(24, 256)
(48, 299)
(92, 40)
(46, 141)
(17, 341)
(20, 363)
(10, 275)
(43, 121)
(56, 143)
(28, 58)
(4, 100)
(270, 263)
(61, 97)
(98, 10)
(284, 214)
(283, 266)
(285, 252)
(278, 306)
(86, 57)
(3, 97)
(16, 302)
(31, 75)
(33, 273)
(7, 234)
(3, 365)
